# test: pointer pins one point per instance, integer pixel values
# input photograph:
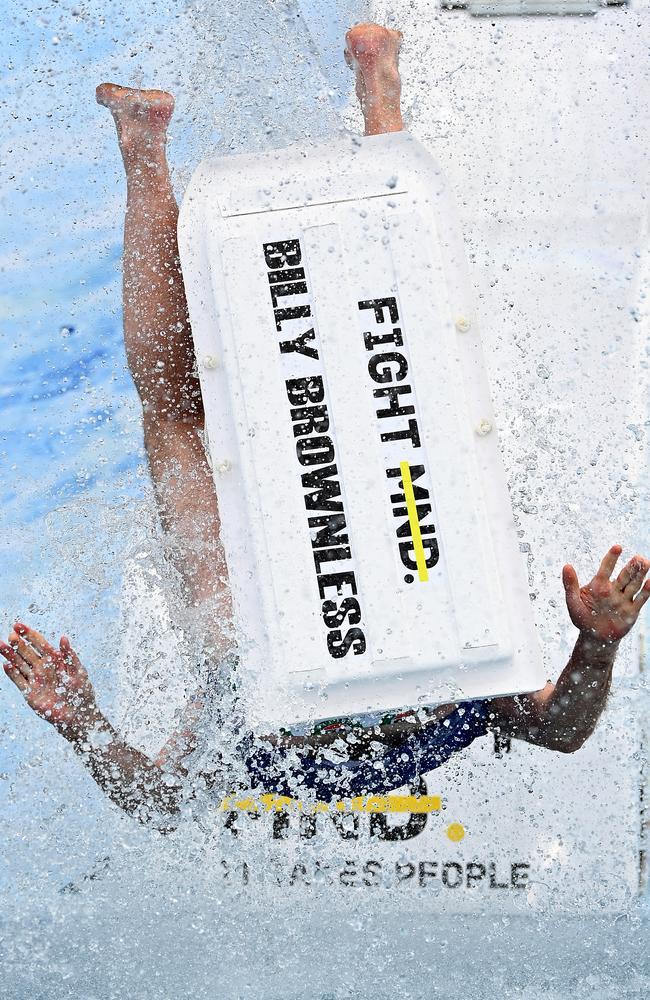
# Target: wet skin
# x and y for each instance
(160, 353)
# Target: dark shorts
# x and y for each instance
(287, 771)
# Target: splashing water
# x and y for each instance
(233, 903)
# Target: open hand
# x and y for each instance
(604, 608)
(53, 681)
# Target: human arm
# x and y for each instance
(563, 715)
(57, 688)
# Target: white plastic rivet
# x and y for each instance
(210, 361)
(223, 466)
(462, 324)
(484, 428)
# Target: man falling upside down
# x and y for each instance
(160, 353)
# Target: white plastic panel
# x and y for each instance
(553, 196)
(352, 434)
(558, 238)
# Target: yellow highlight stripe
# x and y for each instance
(416, 534)
(417, 804)
(397, 804)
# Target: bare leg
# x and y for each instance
(156, 326)
(157, 333)
(373, 52)
(160, 353)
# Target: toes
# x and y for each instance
(372, 40)
(107, 94)
(136, 103)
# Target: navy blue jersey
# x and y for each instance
(290, 771)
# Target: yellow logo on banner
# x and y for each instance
(372, 804)
(362, 804)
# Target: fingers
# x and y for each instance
(36, 640)
(26, 652)
(33, 648)
(641, 597)
(70, 658)
(626, 574)
(15, 675)
(632, 575)
(16, 661)
(606, 567)
(571, 590)
(29, 651)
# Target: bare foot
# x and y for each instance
(373, 52)
(141, 118)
